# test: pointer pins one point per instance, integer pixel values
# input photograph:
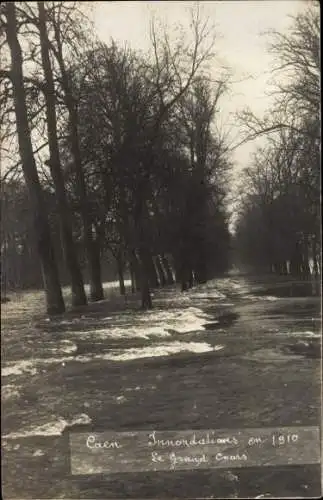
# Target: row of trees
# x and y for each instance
(278, 227)
(132, 163)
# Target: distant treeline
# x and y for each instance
(278, 227)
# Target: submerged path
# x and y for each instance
(223, 355)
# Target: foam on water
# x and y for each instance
(308, 333)
(179, 300)
(151, 324)
(155, 323)
(270, 355)
(120, 399)
(208, 294)
(53, 428)
(140, 331)
(19, 368)
(207, 290)
(10, 391)
(62, 346)
(69, 321)
(33, 366)
(295, 334)
(38, 453)
(236, 285)
(122, 332)
(269, 298)
(138, 388)
(160, 350)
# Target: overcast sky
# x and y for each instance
(241, 46)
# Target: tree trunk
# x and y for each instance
(190, 279)
(305, 265)
(169, 274)
(141, 217)
(77, 285)
(160, 270)
(120, 267)
(284, 270)
(135, 269)
(200, 274)
(132, 278)
(96, 288)
(293, 266)
(315, 259)
(178, 270)
(296, 262)
(54, 298)
(185, 276)
(316, 271)
(184, 286)
(153, 278)
(146, 302)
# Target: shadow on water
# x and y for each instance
(309, 348)
(223, 321)
(305, 309)
(290, 288)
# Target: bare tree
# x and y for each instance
(67, 33)
(175, 66)
(78, 294)
(55, 303)
(296, 82)
(282, 191)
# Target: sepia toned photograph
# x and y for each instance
(161, 250)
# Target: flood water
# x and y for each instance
(236, 352)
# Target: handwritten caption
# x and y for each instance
(113, 452)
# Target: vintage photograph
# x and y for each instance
(160, 249)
